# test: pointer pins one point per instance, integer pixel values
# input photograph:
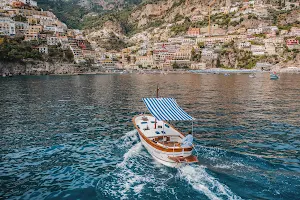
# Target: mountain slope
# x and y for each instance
(72, 12)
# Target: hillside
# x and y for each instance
(158, 20)
(72, 12)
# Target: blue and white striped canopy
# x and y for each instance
(166, 109)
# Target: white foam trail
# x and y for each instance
(133, 151)
(200, 180)
(233, 166)
(132, 174)
(138, 188)
(130, 134)
(128, 139)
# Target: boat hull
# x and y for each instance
(169, 153)
(163, 157)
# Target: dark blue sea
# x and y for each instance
(71, 137)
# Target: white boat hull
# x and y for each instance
(162, 141)
(162, 157)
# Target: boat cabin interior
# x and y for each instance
(163, 134)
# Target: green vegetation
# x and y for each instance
(71, 13)
(195, 56)
(223, 20)
(178, 17)
(252, 16)
(183, 28)
(234, 23)
(285, 27)
(253, 42)
(120, 17)
(56, 53)
(114, 43)
(277, 15)
(218, 65)
(244, 59)
(68, 12)
(179, 28)
(17, 50)
(175, 65)
(156, 23)
(177, 3)
(20, 18)
(261, 35)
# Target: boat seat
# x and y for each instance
(157, 132)
(160, 138)
(144, 118)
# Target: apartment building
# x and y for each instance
(52, 40)
(7, 26)
(32, 32)
(257, 50)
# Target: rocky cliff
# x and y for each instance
(37, 68)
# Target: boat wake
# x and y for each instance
(203, 182)
(130, 177)
(128, 139)
(117, 183)
(138, 175)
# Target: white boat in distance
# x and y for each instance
(165, 144)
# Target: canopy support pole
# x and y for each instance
(156, 97)
(192, 128)
(163, 133)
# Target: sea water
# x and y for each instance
(71, 137)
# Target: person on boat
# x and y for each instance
(187, 141)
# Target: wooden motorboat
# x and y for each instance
(166, 144)
(252, 76)
(274, 76)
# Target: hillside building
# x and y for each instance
(7, 26)
(257, 50)
(194, 32)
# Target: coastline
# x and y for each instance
(68, 69)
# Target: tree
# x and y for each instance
(193, 53)
(175, 65)
(218, 65)
(69, 55)
(201, 45)
(128, 58)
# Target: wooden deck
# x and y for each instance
(170, 144)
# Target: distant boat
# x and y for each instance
(274, 76)
(166, 144)
(252, 76)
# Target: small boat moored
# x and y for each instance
(166, 144)
(252, 76)
(274, 76)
